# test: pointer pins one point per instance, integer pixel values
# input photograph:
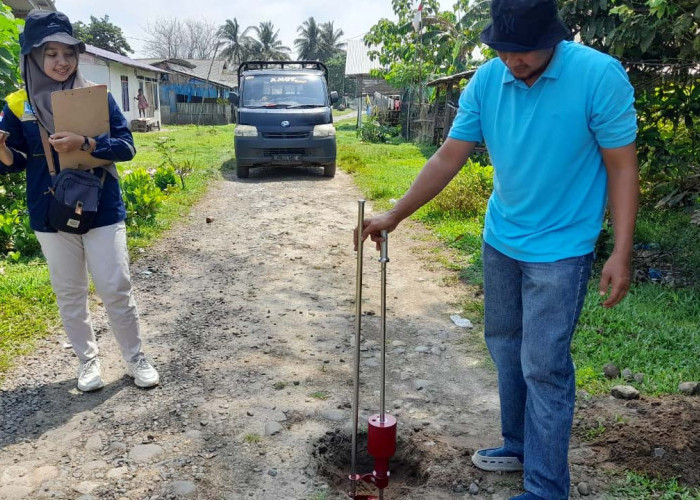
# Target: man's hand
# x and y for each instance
(65, 142)
(374, 226)
(623, 190)
(615, 279)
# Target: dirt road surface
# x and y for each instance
(250, 320)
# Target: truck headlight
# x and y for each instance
(327, 130)
(245, 131)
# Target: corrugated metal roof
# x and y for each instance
(219, 71)
(199, 68)
(357, 61)
(126, 61)
(20, 8)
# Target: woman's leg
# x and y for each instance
(65, 256)
(108, 262)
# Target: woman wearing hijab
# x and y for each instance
(49, 62)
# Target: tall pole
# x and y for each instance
(201, 108)
(358, 337)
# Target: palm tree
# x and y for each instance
(309, 43)
(330, 44)
(266, 45)
(236, 43)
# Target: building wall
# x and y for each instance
(109, 73)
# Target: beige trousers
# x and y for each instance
(103, 253)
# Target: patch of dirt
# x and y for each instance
(659, 437)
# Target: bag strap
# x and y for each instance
(47, 149)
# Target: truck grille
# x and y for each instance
(283, 151)
(285, 135)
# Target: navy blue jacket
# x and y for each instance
(25, 142)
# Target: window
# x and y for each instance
(125, 93)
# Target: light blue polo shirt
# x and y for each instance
(549, 189)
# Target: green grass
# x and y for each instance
(653, 331)
(29, 311)
(322, 395)
(211, 148)
(252, 438)
(640, 487)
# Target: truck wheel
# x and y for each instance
(242, 172)
(329, 170)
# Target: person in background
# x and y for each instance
(49, 62)
(560, 127)
(142, 103)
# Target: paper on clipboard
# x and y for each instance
(83, 111)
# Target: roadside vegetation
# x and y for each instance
(654, 331)
(169, 174)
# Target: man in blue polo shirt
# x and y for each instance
(559, 124)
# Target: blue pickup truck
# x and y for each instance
(284, 116)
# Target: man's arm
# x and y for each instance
(623, 194)
(435, 175)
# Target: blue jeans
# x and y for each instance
(531, 310)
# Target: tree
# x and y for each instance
(308, 44)
(336, 75)
(658, 41)
(201, 39)
(236, 44)
(102, 34)
(442, 46)
(266, 44)
(166, 39)
(175, 39)
(9, 51)
(330, 44)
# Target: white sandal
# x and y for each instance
(496, 464)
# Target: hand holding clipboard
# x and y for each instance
(84, 112)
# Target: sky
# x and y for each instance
(354, 17)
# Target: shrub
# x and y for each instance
(165, 177)
(141, 195)
(16, 236)
(468, 193)
(373, 131)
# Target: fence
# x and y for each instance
(198, 113)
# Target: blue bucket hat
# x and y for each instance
(41, 26)
(524, 25)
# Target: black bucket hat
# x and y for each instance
(41, 26)
(524, 25)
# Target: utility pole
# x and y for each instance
(201, 109)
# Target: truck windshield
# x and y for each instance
(282, 91)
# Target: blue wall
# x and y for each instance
(193, 88)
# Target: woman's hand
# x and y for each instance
(65, 142)
(5, 154)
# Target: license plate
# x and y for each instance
(286, 157)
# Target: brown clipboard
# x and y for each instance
(83, 111)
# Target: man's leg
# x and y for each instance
(553, 295)
(503, 333)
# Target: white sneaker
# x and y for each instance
(89, 377)
(143, 372)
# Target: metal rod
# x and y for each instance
(383, 258)
(358, 334)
